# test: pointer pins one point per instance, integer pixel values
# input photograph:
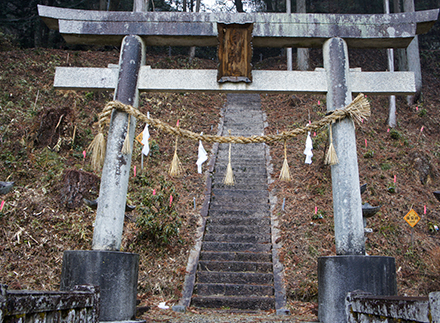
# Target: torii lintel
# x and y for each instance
(270, 29)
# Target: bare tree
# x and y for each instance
(192, 50)
(289, 49)
(302, 53)
(103, 5)
(413, 57)
(392, 122)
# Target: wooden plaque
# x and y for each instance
(234, 52)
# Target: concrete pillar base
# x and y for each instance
(116, 274)
(338, 275)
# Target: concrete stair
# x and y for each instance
(235, 269)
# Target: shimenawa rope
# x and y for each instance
(358, 110)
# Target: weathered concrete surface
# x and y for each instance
(109, 222)
(347, 203)
(160, 80)
(81, 304)
(338, 275)
(368, 308)
(116, 274)
(270, 30)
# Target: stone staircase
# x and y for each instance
(235, 268)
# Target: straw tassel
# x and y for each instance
(229, 178)
(97, 147)
(331, 158)
(126, 147)
(176, 166)
(359, 109)
(285, 172)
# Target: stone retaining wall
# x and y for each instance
(79, 305)
(364, 307)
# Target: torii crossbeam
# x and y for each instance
(270, 29)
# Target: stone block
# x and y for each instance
(116, 274)
(338, 275)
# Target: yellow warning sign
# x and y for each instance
(412, 218)
(139, 137)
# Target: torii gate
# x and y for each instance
(335, 33)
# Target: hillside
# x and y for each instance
(43, 133)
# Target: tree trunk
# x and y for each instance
(192, 50)
(412, 53)
(302, 54)
(103, 5)
(402, 62)
(138, 6)
(239, 5)
(289, 50)
(113, 5)
(392, 122)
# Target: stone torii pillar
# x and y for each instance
(116, 273)
(350, 269)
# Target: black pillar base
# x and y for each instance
(116, 274)
(338, 275)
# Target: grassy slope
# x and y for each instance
(36, 227)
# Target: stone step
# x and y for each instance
(243, 131)
(238, 229)
(235, 266)
(242, 161)
(236, 256)
(236, 192)
(256, 178)
(253, 120)
(242, 169)
(255, 202)
(239, 153)
(236, 246)
(233, 290)
(256, 149)
(245, 161)
(240, 185)
(236, 221)
(240, 129)
(240, 199)
(242, 238)
(237, 206)
(245, 214)
(250, 179)
(217, 277)
(237, 302)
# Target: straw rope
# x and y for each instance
(358, 110)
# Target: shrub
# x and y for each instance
(159, 222)
(394, 134)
